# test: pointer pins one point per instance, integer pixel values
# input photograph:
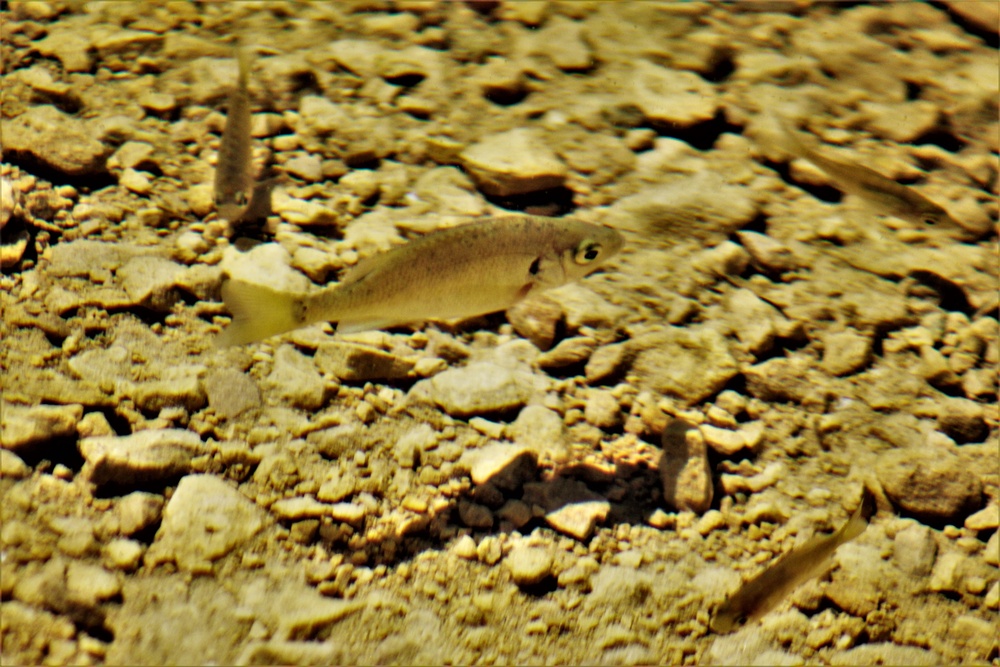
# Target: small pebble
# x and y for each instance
(465, 547)
(528, 565)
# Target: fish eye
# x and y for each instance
(587, 252)
(741, 620)
(930, 219)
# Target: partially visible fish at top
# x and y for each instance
(764, 592)
(233, 169)
(883, 194)
(473, 269)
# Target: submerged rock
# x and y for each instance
(684, 469)
(690, 364)
(476, 389)
(204, 520)
(515, 162)
(23, 427)
(145, 456)
(929, 483)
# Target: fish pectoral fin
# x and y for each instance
(524, 291)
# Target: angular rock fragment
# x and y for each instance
(769, 253)
(151, 282)
(294, 380)
(22, 427)
(962, 420)
(606, 362)
(230, 393)
(536, 318)
(540, 429)
(846, 352)
(529, 565)
(180, 386)
(476, 389)
(146, 456)
(57, 140)
(515, 162)
(784, 379)
(12, 466)
(602, 409)
(351, 362)
(204, 520)
(503, 465)
(702, 207)
(929, 483)
(568, 352)
(571, 507)
(670, 96)
(753, 320)
(138, 510)
(690, 364)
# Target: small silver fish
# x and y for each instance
(473, 269)
(233, 169)
(883, 194)
(764, 592)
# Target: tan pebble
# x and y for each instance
(731, 402)
(425, 367)
(529, 565)
(845, 352)
(980, 383)
(723, 441)
(579, 519)
(719, 417)
(765, 511)
(475, 515)
(711, 520)
(12, 466)
(306, 167)
(157, 102)
(992, 552)
(89, 584)
(992, 599)
(985, 519)
(725, 259)
(513, 162)
(975, 585)
(570, 351)
(605, 361)
(768, 477)
(753, 433)
(488, 428)
(465, 547)
(660, 519)
(515, 511)
(136, 181)
(768, 252)
(489, 551)
(602, 409)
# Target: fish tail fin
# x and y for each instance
(259, 312)
(858, 522)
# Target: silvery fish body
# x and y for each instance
(473, 269)
(883, 194)
(233, 169)
(764, 592)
